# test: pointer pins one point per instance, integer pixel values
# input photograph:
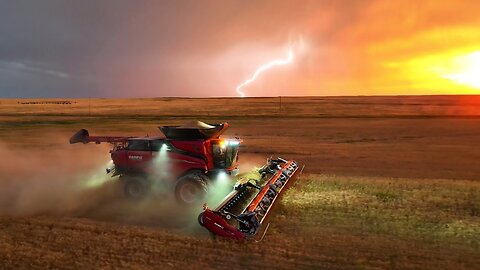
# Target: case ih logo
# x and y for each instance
(135, 157)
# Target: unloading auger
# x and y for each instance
(241, 214)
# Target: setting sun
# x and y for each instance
(454, 71)
(466, 70)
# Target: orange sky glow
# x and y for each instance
(403, 47)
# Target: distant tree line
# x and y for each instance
(64, 102)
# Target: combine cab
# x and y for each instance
(245, 209)
(188, 157)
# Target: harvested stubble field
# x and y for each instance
(389, 182)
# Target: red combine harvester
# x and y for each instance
(188, 156)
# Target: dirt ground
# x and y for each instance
(389, 182)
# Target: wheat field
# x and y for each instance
(389, 182)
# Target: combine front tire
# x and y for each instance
(200, 219)
(135, 187)
(191, 188)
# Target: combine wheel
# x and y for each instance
(135, 187)
(191, 188)
(200, 219)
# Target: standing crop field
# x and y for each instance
(389, 182)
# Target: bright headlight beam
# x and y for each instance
(233, 143)
(263, 68)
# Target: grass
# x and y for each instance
(441, 211)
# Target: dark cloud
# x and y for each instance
(122, 48)
(119, 46)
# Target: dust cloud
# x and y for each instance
(65, 180)
(71, 181)
(249, 161)
(56, 180)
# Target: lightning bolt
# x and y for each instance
(263, 68)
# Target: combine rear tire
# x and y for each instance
(135, 188)
(191, 188)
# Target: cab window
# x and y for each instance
(156, 145)
(138, 145)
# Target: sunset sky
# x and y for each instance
(122, 48)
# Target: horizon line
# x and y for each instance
(250, 97)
